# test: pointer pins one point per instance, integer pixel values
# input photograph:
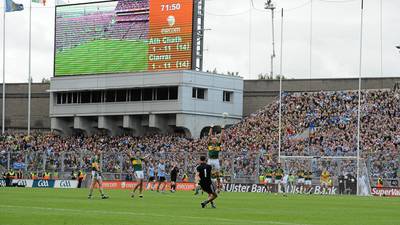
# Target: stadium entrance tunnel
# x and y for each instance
(182, 131)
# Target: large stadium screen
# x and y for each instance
(123, 36)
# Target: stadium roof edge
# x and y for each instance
(338, 78)
(83, 76)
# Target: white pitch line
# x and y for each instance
(151, 214)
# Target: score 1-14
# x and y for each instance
(171, 7)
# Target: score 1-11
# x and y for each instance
(170, 7)
(163, 66)
(166, 48)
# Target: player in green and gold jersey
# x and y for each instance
(137, 164)
(214, 148)
(268, 175)
(96, 177)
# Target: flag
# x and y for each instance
(40, 1)
(12, 6)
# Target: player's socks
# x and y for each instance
(197, 190)
(213, 205)
(203, 204)
(104, 197)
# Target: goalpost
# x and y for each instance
(336, 165)
(362, 174)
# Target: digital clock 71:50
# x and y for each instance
(170, 7)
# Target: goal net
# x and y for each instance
(342, 172)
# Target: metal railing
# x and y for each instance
(241, 167)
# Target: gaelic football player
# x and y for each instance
(214, 148)
(204, 174)
(161, 173)
(96, 177)
(152, 177)
(307, 180)
(137, 163)
(268, 175)
(278, 173)
(325, 176)
(300, 178)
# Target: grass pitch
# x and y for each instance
(62, 206)
(103, 56)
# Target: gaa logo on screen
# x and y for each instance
(171, 20)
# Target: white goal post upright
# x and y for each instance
(359, 96)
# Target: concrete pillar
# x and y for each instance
(85, 123)
(159, 121)
(109, 123)
(62, 125)
(134, 123)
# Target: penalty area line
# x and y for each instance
(150, 214)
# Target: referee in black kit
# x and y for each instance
(204, 174)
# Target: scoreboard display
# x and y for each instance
(123, 36)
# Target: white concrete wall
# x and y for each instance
(187, 112)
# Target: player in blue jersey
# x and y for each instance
(161, 174)
(152, 177)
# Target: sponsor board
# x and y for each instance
(273, 188)
(131, 184)
(66, 184)
(22, 183)
(230, 187)
(385, 191)
(43, 184)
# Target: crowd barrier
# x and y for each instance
(41, 183)
(274, 188)
(183, 186)
(385, 191)
(180, 186)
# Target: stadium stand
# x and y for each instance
(314, 124)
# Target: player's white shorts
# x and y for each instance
(308, 182)
(300, 181)
(268, 180)
(96, 175)
(214, 163)
(139, 174)
(278, 181)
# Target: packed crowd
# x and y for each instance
(124, 5)
(129, 21)
(313, 124)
